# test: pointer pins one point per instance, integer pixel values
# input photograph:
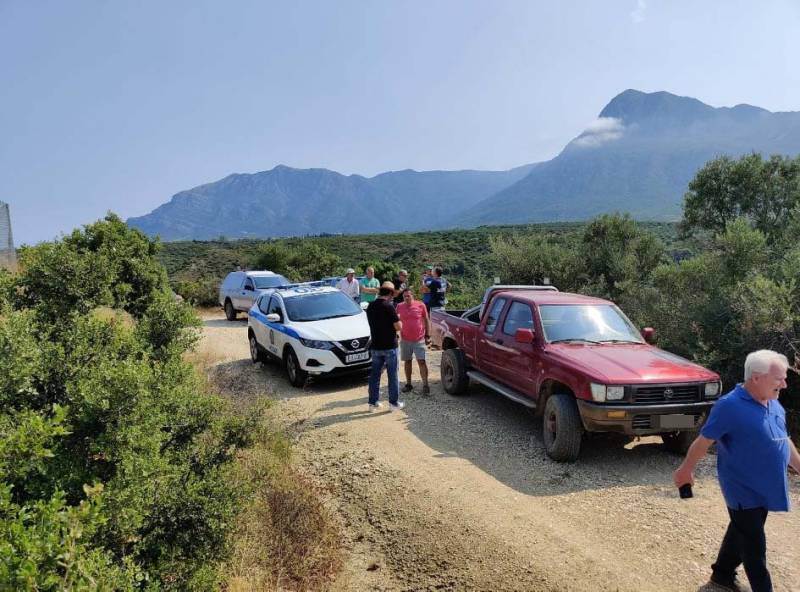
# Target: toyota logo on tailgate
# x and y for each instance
(668, 393)
(354, 344)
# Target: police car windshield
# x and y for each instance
(316, 307)
(270, 281)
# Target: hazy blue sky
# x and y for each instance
(118, 105)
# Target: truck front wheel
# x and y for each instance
(562, 428)
(454, 372)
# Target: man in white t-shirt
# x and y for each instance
(349, 285)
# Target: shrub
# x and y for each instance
(115, 464)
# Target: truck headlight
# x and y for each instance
(602, 393)
(712, 390)
(615, 393)
(314, 344)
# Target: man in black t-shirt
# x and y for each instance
(437, 287)
(384, 324)
(400, 284)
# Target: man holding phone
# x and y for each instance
(753, 452)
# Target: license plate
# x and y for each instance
(350, 358)
(675, 421)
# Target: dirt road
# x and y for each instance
(456, 493)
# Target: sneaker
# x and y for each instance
(408, 387)
(729, 585)
(426, 390)
(375, 406)
(398, 405)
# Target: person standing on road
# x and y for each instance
(369, 285)
(349, 284)
(400, 283)
(753, 452)
(384, 324)
(427, 276)
(414, 338)
(437, 287)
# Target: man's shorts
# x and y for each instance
(409, 349)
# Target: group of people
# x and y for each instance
(393, 311)
(433, 286)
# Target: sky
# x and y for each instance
(115, 105)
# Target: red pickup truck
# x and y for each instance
(577, 361)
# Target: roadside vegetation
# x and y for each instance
(120, 469)
(720, 283)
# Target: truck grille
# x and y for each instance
(667, 393)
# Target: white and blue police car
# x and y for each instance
(311, 330)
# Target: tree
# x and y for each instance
(615, 251)
(765, 192)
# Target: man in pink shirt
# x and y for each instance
(414, 338)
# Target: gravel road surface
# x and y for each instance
(456, 493)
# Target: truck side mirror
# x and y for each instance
(649, 335)
(249, 288)
(274, 317)
(524, 336)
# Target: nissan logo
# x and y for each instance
(668, 393)
(354, 344)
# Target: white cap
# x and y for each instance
(350, 270)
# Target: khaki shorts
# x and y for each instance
(409, 349)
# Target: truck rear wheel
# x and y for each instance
(454, 372)
(562, 428)
(678, 442)
(230, 312)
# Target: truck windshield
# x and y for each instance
(591, 323)
(270, 281)
(316, 307)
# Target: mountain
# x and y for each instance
(637, 157)
(286, 202)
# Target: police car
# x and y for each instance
(311, 330)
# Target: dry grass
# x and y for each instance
(286, 539)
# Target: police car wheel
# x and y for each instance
(255, 352)
(297, 376)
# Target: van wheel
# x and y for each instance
(454, 372)
(678, 442)
(297, 376)
(230, 312)
(256, 355)
(562, 428)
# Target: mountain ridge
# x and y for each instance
(638, 156)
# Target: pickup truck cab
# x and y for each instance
(240, 289)
(579, 362)
(311, 330)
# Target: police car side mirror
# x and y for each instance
(364, 305)
(274, 317)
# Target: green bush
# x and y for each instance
(115, 465)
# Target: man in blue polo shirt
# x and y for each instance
(753, 452)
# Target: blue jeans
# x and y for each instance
(381, 357)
